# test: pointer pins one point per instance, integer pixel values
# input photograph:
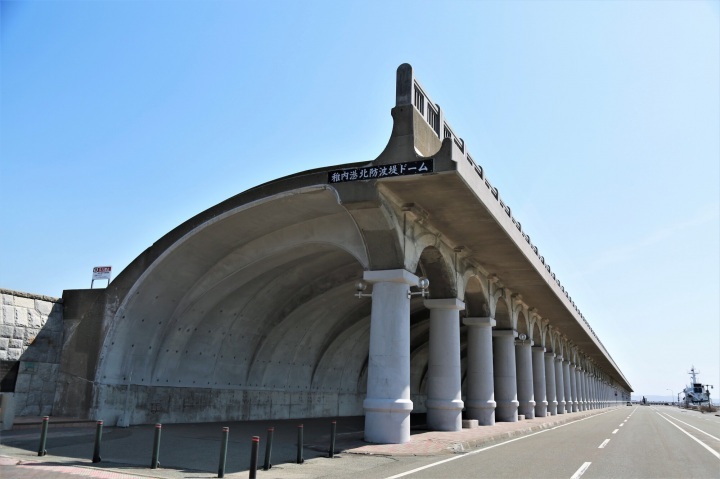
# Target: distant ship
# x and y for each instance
(694, 393)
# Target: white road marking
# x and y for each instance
(581, 471)
(621, 425)
(689, 425)
(477, 451)
(615, 431)
(714, 453)
(602, 446)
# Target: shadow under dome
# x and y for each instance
(202, 312)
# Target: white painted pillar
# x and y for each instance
(559, 385)
(569, 399)
(579, 375)
(444, 396)
(480, 398)
(574, 388)
(538, 365)
(550, 389)
(506, 409)
(524, 371)
(387, 404)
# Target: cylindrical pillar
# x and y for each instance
(569, 399)
(550, 388)
(524, 372)
(444, 396)
(559, 385)
(506, 409)
(387, 404)
(538, 366)
(480, 399)
(574, 389)
(579, 373)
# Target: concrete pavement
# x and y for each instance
(192, 450)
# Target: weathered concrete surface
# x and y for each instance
(247, 309)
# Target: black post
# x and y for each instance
(300, 459)
(98, 438)
(268, 449)
(43, 436)
(223, 451)
(254, 456)
(333, 429)
(156, 448)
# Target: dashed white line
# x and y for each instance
(476, 451)
(621, 425)
(615, 431)
(581, 471)
(604, 443)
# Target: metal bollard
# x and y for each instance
(156, 448)
(300, 459)
(254, 456)
(333, 429)
(223, 451)
(43, 436)
(98, 438)
(268, 449)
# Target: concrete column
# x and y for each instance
(524, 371)
(574, 389)
(569, 399)
(387, 404)
(581, 391)
(480, 398)
(538, 364)
(506, 409)
(550, 389)
(593, 393)
(444, 397)
(559, 385)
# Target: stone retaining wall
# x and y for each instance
(31, 338)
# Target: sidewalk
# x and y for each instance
(192, 450)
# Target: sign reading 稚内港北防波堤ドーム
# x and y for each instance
(381, 171)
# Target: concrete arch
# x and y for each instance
(435, 266)
(523, 324)
(476, 298)
(503, 315)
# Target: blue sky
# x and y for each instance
(598, 121)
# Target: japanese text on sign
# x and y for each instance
(102, 272)
(381, 171)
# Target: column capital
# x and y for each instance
(559, 358)
(449, 303)
(487, 321)
(539, 348)
(390, 276)
(550, 354)
(504, 332)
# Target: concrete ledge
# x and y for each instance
(469, 423)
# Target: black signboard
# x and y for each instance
(381, 171)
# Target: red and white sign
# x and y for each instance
(102, 272)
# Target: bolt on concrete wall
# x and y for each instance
(31, 333)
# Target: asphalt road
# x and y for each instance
(638, 442)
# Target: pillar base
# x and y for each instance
(484, 412)
(527, 409)
(541, 409)
(387, 421)
(507, 411)
(444, 415)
